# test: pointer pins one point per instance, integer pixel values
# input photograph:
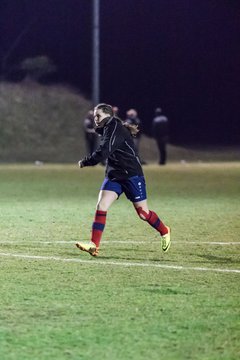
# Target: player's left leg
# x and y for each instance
(152, 218)
(135, 190)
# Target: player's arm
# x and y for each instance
(110, 141)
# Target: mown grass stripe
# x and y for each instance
(114, 263)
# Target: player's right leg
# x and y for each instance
(105, 200)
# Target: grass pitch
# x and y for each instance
(133, 302)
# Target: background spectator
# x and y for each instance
(160, 131)
(90, 135)
(133, 119)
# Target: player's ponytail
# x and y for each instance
(132, 128)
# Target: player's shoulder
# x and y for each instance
(114, 123)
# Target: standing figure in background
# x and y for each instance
(115, 111)
(160, 131)
(133, 119)
(90, 135)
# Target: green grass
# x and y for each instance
(122, 305)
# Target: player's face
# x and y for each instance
(99, 115)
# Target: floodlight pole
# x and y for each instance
(95, 54)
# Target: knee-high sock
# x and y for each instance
(156, 223)
(98, 226)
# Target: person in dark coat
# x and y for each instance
(91, 137)
(160, 131)
(133, 119)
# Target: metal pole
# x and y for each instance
(96, 54)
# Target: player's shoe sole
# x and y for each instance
(88, 247)
(166, 240)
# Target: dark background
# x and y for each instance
(182, 55)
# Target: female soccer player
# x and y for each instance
(124, 174)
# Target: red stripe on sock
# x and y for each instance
(100, 217)
(154, 221)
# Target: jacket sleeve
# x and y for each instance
(110, 141)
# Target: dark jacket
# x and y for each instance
(117, 147)
(160, 127)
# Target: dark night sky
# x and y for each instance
(183, 55)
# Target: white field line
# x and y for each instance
(116, 263)
(121, 242)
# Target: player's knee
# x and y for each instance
(102, 206)
(143, 215)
